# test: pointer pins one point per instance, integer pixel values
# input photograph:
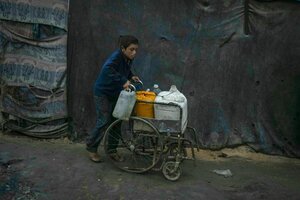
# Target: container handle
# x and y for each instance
(131, 88)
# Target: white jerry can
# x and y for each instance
(124, 105)
(169, 112)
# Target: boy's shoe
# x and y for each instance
(116, 157)
(95, 157)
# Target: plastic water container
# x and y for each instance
(144, 109)
(156, 89)
(171, 112)
(124, 105)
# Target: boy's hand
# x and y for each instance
(126, 85)
(136, 79)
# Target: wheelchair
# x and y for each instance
(150, 144)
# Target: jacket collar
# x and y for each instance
(128, 61)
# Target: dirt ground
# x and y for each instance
(59, 169)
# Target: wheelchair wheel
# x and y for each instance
(136, 142)
(171, 171)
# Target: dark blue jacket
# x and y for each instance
(114, 74)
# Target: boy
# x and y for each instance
(115, 76)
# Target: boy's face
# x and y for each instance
(130, 51)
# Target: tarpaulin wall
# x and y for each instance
(33, 63)
(237, 62)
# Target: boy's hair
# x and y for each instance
(126, 40)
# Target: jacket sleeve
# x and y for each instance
(113, 74)
(130, 75)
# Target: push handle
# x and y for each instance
(138, 83)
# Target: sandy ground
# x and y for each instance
(59, 169)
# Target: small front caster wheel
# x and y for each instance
(170, 171)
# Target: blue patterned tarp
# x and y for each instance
(54, 12)
(33, 43)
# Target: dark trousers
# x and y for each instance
(104, 109)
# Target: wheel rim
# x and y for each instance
(139, 148)
(170, 172)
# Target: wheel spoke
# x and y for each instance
(139, 148)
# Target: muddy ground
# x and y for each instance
(59, 169)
